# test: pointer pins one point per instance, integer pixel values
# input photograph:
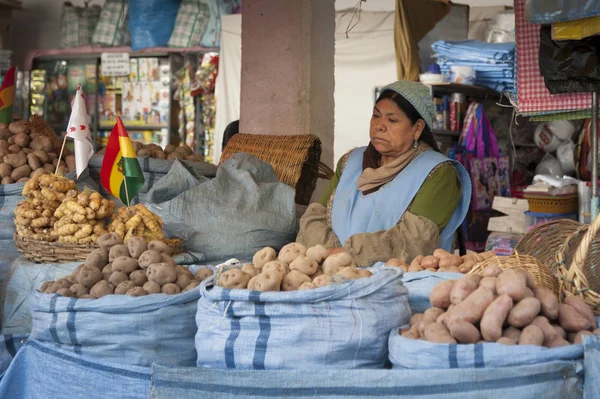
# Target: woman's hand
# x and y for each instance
(333, 251)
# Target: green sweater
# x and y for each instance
(436, 200)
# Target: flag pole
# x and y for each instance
(61, 153)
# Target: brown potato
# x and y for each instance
(430, 316)
(440, 294)
(494, 317)
(124, 286)
(451, 261)
(323, 280)
(583, 308)
(152, 287)
(65, 292)
(88, 276)
(148, 258)
(318, 253)
(250, 269)
(170, 289)
(464, 287)
(441, 253)
(548, 301)
(138, 277)
(5, 170)
(268, 281)
(276, 266)
(15, 149)
(290, 252)
(22, 139)
(464, 332)
(512, 333)
(136, 291)
(472, 308)
(102, 288)
(531, 335)
(349, 273)
(492, 271)
(136, 246)
(203, 274)
(183, 280)
(7, 180)
(46, 286)
(124, 264)
(97, 258)
(513, 283)
(305, 265)
(159, 246)
(61, 283)
(42, 156)
(20, 172)
(117, 278)
(524, 312)
(579, 336)
(438, 333)
(163, 273)
(364, 273)
(506, 341)
(42, 143)
(489, 283)
(550, 334)
(293, 280)
(571, 320)
(263, 257)
(430, 261)
(109, 240)
(78, 290)
(560, 331)
(106, 272)
(15, 160)
(70, 161)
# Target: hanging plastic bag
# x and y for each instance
(549, 165)
(77, 24)
(112, 29)
(576, 30)
(192, 19)
(151, 22)
(566, 156)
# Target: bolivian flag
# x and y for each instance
(120, 173)
(7, 95)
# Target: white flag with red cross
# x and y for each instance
(79, 130)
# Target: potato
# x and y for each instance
(263, 256)
(417, 260)
(440, 294)
(571, 320)
(449, 261)
(323, 280)
(416, 319)
(170, 289)
(15, 160)
(252, 283)
(472, 308)
(20, 172)
(183, 270)
(489, 283)
(167, 259)
(117, 277)
(88, 276)
(42, 156)
(291, 251)
(78, 290)
(7, 180)
(416, 268)
(524, 312)
(307, 286)
(159, 246)
(163, 273)
(136, 291)
(102, 288)
(5, 134)
(583, 308)
(464, 333)
(494, 317)
(349, 273)
(136, 246)
(42, 143)
(492, 271)
(148, 258)
(595, 332)
(20, 126)
(430, 316)
(506, 341)
(124, 264)
(137, 146)
(124, 286)
(48, 167)
(109, 240)
(276, 266)
(531, 335)
(512, 333)
(203, 274)
(152, 287)
(337, 262)
(268, 281)
(463, 287)
(513, 283)
(560, 331)
(293, 280)
(438, 333)
(60, 283)
(395, 262)
(250, 269)
(40, 171)
(46, 286)
(305, 265)
(364, 273)
(550, 334)
(87, 296)
(138, 277)
(70, 161)
(5, 170)
(442, 253)
(430, 261)
(183, 280)
(15, 149)
(193, 284)
(97, 258)
(318, 253)
(65, 292)
(106, 272)
(159, 155)
(22, 139)
(169, 148)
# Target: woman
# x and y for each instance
(398, 197)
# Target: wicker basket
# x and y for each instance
(545, 241)
(541, 273)
(37, 124)
(582, 277)
(296, 159)
(57, 252)
(558, 205)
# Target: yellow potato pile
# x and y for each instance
(34, 217)
(503, 307)
(136, 221)
(134, 268)
(441, 261)
(295, 268)
(81, 217)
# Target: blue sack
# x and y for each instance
(591, 347)
(420, 284)
(9, 346)
(341, 326)
(151, 22)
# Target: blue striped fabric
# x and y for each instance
(419, 354)
(558, 380)
(591, 346)
(9, 346)
(342, 326)
(419, 286)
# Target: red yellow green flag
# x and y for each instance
(120, 173)
(7, 95)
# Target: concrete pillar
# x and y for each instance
(288, 70)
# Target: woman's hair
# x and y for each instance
(412, 114)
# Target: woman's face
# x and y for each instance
(391, 132)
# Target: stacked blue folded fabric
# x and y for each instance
(493, 62)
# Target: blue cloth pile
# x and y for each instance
(493, 62)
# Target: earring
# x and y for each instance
(416, 144)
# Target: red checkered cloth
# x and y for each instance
(532, 94)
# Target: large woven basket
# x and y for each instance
(296, 159)
(579, 272)
(37, 124)
(56, 252)
(541, 273)
(545, 241)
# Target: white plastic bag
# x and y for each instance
(549, 165)
(566, 156)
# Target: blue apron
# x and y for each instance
(355, 213)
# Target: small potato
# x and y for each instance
(148, 258)
(489, 283)
(417, 260)
(169, 148)
(118, 251)
(136, 291)
(560, 331)
(138, 277)
(492, 271)
(290, 252)
(78, 290)
(124, 286)
(252, 283)
(595, 332)
(102, 288)
(183, 270)
(163, 273)
(263, 257)
(268, 281)
(307, 286)
(558, 342)
(463, 288)
(523, 313)
(494, 317)
(276, 266)
(117, 278)
(395, 262)
(416, 268)
(440, 294)
(42, 143)
(250, 269)
(506, 341)
(5, 170)
(430, 316)
(466, 267)
(65, 292)
(159, 246)
(20, 172)
(182, 281)
(7, 180)
(442, 253)
(193, 284)
(472, 308)
(548, 301)
(531, 335)
(48, 167)
(513, 283)
(46, 286)
(323, 280)
(318, 253)
(167, 259)
(571, 320)
(14, 149)
(203, 274)
(451, 260)
(430, 261)
(234, 278)
(578, 337)
(33, 162)
(22, 139)
(364, 273)
(550, 334)
(88, 276)
(97, 258)
(124, 264)
(305, 265)
(582, 308)
(109, 240)
(464, 333)
(170, 289)
(293, 280)
(42, 156)
(107, 271)
(349, 273)
(152, 287)
(438, 333)
(136, 246)
(512, 333)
